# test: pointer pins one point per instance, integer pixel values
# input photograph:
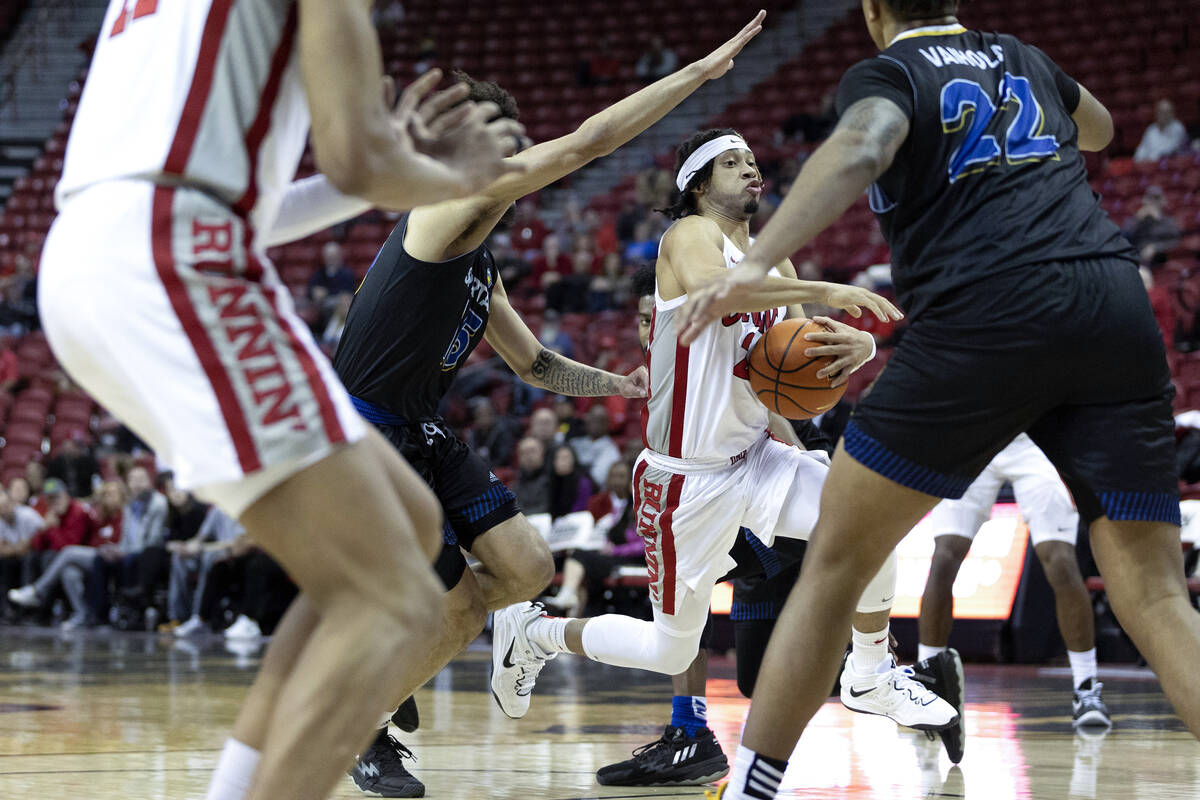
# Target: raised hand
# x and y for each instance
(469, 138)
(720, 61)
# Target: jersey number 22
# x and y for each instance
(1024, 140)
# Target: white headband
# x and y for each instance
(706, 153)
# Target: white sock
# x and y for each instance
(925, 651)
(549, 633)
(754, 777)
(1083, 666)
(869, 651)
(234, 772)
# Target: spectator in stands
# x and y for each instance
(528, 230)
(255, 587)
(653, 188)
(35, 477)
(1165, 136)
(185, 514)
(568, 424)
(553, 337)
(75, 465)
(337, 322)
(9, 370)
(551, 264)
(585, 571)
(215, 541)
(656, 63)
(491, 436)
(627, 221)
(66, 523)
(597, 452)
(1151, 231)
(511, 265)
(333, 279)
(73, 563)
(570, 486)
(139, 560)
(18, 524)
(18, 490)
(1187, 305)
(608, 290)
(20, 296)
(644, 246)
(532, 486)
(811, 126)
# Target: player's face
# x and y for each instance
(736, 183)
(645, 314)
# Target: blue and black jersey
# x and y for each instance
(990, 178)
(412, 325)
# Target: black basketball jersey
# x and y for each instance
(412, 325)
(990, 178)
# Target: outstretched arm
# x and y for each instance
(604, 132)
(509, 336)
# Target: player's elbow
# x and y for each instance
(1097, 135)
(863, 154)
(595, 139)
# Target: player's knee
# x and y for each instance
(946, 561)
(466, 611)
(1059, 563)
(676, 654)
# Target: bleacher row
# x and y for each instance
(532, 49)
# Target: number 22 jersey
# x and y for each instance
(990, 178)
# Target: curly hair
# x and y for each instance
(643, 282)
(485, 91)
(684, 203)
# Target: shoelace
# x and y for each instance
(399, 749)
(1090, 696)
(661, 743)
(905, 679)
(528, 675)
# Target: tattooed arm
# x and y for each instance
(509, 336)
(860, 149)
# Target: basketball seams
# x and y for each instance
(779, 395)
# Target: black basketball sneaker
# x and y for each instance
(943, 674)
(380, 770)
(406, 717)
(675, 759)
(1090, 710)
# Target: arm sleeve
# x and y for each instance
(310, 205)
(881, 76)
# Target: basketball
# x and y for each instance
(784, 379)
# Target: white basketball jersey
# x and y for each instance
(206, 93)
(701, 405)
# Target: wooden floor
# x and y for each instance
(106, 715)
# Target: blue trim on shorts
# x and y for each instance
(769, 559)
(753, 612)
(1141, 506)
(486, 503)
(376, 415)
(873, 455)
(449, 536)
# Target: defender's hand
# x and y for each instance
(635, 384)
(720, 61)
(852, 299)
(704, 305)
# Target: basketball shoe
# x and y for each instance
(380, 770)
(894, 694)
(1090, 710)
(676, 759)
(516, 662)
(943, 673)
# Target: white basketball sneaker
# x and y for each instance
(516, 662)
(894, 694)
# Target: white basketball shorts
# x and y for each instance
(1042, 498)
(153, 301)
(689, 519)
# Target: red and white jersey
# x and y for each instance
(701, 406)
(205, 93)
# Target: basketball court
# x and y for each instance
(104, 716)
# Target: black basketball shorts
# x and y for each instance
(1066, 351)
(473, 499)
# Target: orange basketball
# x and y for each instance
(785, 379)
